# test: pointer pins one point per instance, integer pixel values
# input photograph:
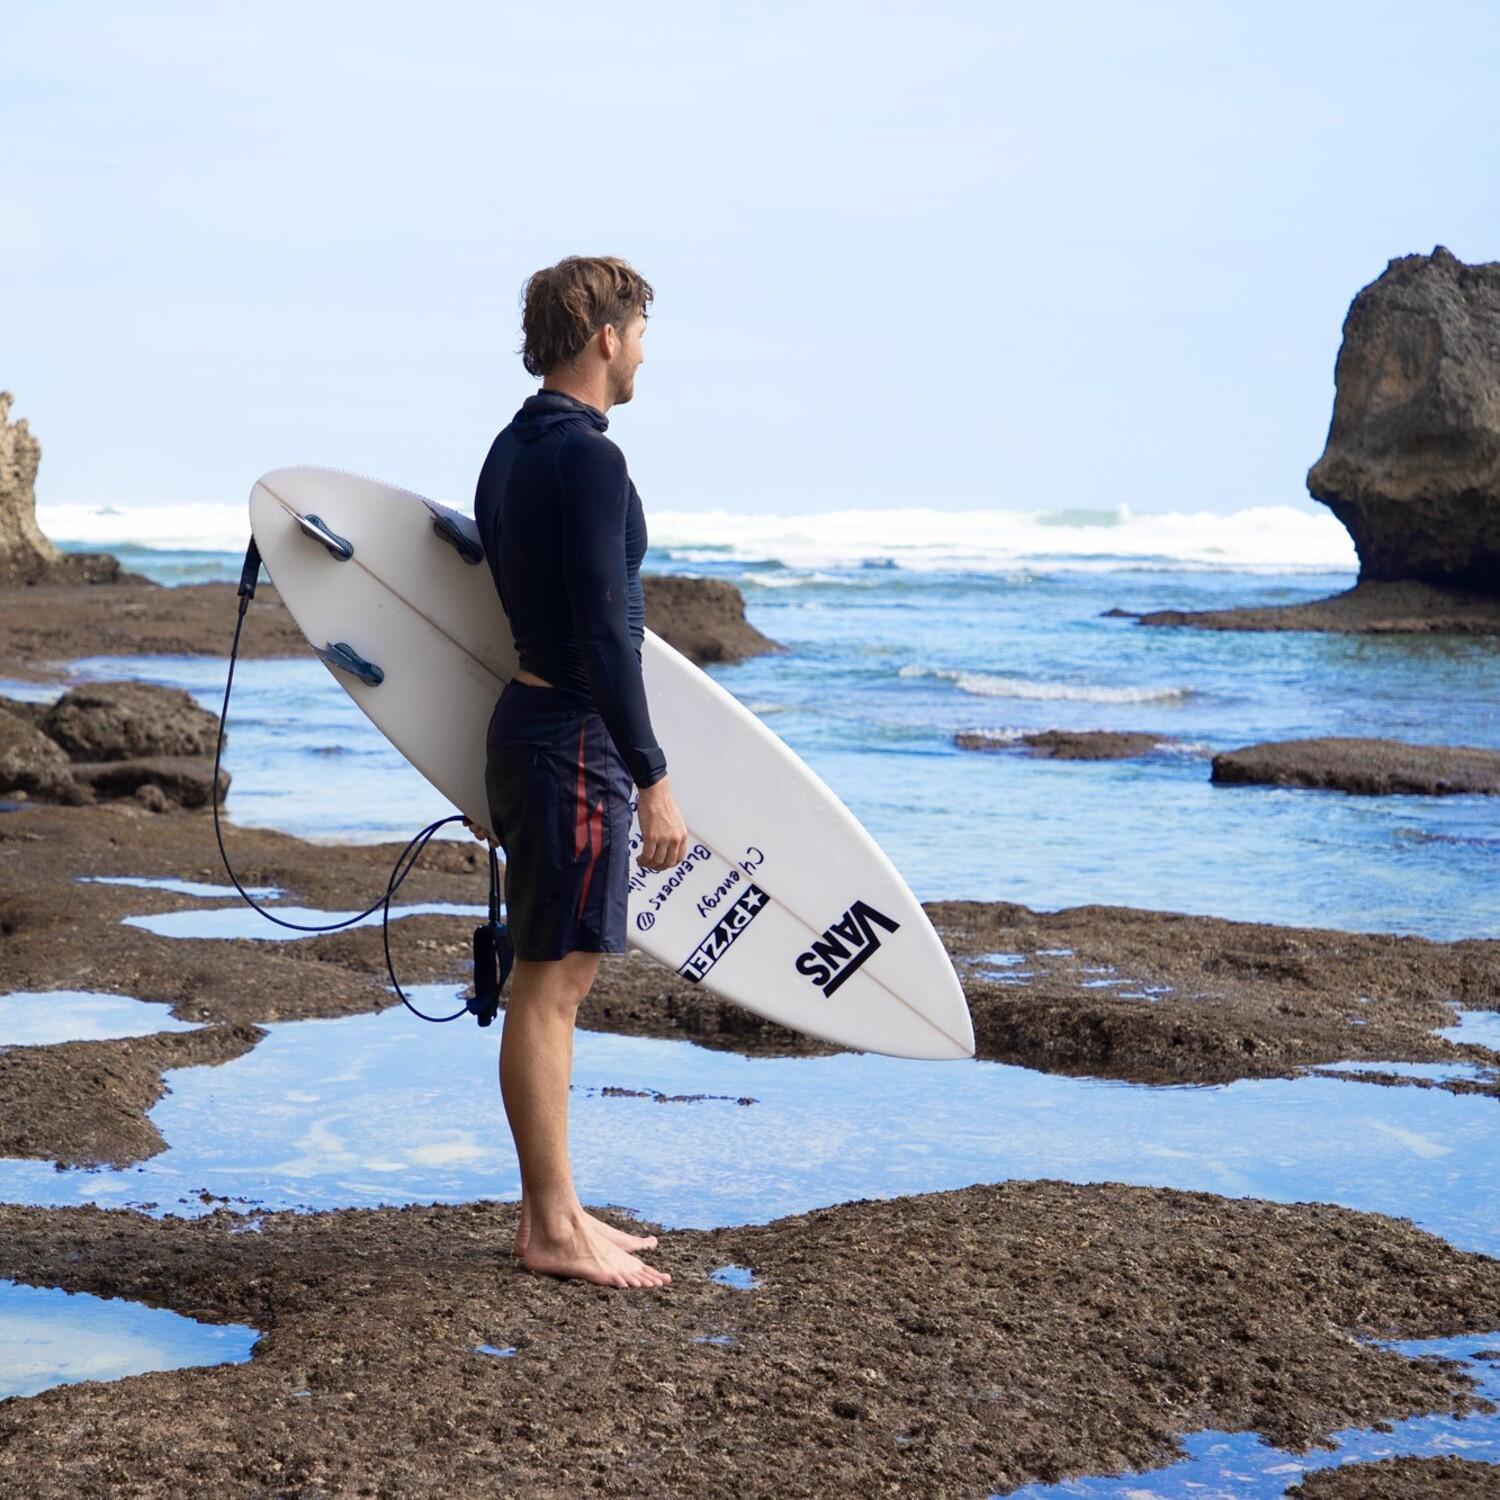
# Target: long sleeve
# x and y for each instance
(595, 494)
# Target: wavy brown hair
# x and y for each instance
(565, 305)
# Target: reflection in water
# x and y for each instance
(50, 1337)
(378, 1108)
(243, 922)
(1239, 1464)
(1481, 1027)
(182, 887)
(36, 1018)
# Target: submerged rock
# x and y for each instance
(1066, 744)
(1412, 462)
(1369, 767)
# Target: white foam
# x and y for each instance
(1262, 538)
(990, 685)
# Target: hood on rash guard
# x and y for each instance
(541, 413)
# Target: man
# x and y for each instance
(570, 738)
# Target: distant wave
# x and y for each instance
(989, 685)
(1263, 538)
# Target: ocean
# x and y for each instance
(906, 627)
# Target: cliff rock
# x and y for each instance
(26, 556)
(1412, 461)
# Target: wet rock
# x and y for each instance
(86, 1103)
(1066, 744)
(29, 761)
(186, 780)
(1156, 997)
(1367, 609)
(1010, 1333)
(26, 555)
(1412, 462)
(103, 721)
(31, 713)
(44, 626)
(1185, 998)
(1405, 1478)
(1367, 767)
(704, 618)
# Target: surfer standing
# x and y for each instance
(570, 738)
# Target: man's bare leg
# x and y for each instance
(536, 1063)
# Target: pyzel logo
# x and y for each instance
(844, 946)
(722, 934)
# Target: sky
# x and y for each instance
(960, 255)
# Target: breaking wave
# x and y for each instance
(990, 685)
(1265, 538)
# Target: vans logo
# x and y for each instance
(716, 944)
(844, 946)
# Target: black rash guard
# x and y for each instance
(564, 534)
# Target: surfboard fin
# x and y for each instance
(343, 656)
(463, 544)
(319, 530)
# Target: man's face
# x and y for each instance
(628, 357)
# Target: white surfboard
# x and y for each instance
(784, 904)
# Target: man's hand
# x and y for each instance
(664, 837)
(482, 834)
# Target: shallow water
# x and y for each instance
(887, 664)
(1240, 1466)
(50, 1337)
(379, 1108)
(32, 1018)
(1479, 1026)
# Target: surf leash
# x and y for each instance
(494, 952)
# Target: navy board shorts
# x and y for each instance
(560, 806)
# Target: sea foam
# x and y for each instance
(1265, 538)
(991, 685)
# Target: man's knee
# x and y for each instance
(558, 984)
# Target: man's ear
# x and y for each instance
(609, 341)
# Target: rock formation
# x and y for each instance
(110, 739)
(1368, 767)
(1065, 744)
(1412, 462)
(704, 618)
(26, 556)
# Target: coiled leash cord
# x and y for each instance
(493, 951)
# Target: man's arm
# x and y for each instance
(595, 496)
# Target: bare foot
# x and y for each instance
(583, 1255)
(598, 1226)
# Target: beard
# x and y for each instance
(619, 393)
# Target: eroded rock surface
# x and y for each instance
(1367, 767)
(26, 555)
(1066, 744)
(1412, 463)
(704, 618)
(948, 1344)
(124, 738)
(43, 628)
(1367, 609)
(1098, 991)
